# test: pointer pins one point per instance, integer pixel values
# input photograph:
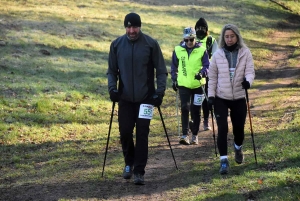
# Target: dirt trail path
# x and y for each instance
(161, 171)
(277, 70)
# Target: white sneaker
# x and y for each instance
(184, 140)
(194, 139)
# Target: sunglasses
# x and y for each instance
(191, 40)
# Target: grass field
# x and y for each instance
(55, 107)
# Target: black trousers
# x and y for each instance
(134, 155)
(204, 104)
(238, 113)
(187, 98)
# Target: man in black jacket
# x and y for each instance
(135, 59)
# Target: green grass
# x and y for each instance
(55, 109)
(291, 5)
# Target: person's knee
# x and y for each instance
(126, 137)
(239, 130)
(221, 139)
(222, 128)
(197, 112)
(126, 132)
(143, 130)
(185, 108)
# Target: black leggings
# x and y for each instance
(238, 112)
(187, 99)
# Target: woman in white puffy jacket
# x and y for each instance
(231, 71)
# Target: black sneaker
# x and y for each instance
(139, 179)
(206, 126)
(224, 166)
(127, 172)
(239, 156)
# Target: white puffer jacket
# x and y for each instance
(219, 84)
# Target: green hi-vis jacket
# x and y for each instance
(189, 66)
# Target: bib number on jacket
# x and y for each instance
(198, 99)
(146, 111)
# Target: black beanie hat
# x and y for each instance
(132, 19)
(201, 23)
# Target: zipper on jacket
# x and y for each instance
(231, 63)
(132, 69)
(237, 62)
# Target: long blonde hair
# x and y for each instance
(235, 29)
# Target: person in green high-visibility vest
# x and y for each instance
(189, 68)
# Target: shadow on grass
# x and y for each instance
(286, 72)
(267, 193)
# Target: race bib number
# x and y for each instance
(231, 73)
(146, 111)
(198, 99)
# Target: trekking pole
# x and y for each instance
(111, 118)
(252, 136)
(162, 120)
(177, 114)
(213, 125)
(214, 135)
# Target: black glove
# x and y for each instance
(114, 95)
(198, 76)
(211, 102)
(175, 86)
(204, 72)
(246, 84)
(157, 100)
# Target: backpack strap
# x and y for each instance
(209, 46)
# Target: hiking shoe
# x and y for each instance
(184, 140)
(139, 179)
(191, 125)
(239, 156)
(224, 166)
(127, 172)
(206, 127)
(194, 139)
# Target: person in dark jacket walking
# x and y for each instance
(211, 45)
(135, 60)
(189, 66)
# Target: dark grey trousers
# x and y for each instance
(134, 155)
(187, 98)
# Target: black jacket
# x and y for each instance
(133, 63)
